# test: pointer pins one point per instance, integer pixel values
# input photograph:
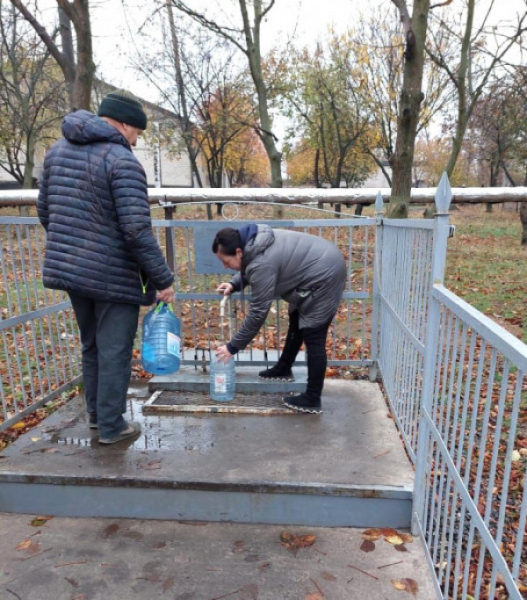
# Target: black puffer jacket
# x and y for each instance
(93, 204)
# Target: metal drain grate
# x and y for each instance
(196, 402)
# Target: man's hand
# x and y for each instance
(222, 354)
(166, 295)
(225, 288)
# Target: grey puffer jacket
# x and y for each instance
(93, 204)
(305, 270)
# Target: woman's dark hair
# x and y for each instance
(229, 239)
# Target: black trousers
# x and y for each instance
(315, 340)
(107, 332)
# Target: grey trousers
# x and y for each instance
(107, 332)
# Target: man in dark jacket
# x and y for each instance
(101, 250)
(306, 271)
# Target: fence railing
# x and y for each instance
(470, 501)
(198, 273)
(456, 383)
(39, 350)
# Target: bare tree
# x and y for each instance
(77, 67)
(480, 50)
(30, 95)
(247, 39)
(410, 99)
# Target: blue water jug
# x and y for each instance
(222, 380)
(161, 349)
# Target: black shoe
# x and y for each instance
(303, 403)
(277, 373)
(92, 421)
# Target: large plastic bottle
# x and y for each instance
(222, 379)
(161, 349)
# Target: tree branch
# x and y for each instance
(211, 25)
(42, 33)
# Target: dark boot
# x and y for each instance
(317, 360)
(309, 401)
(293, 342)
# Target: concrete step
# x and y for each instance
(196, 378)
(190, 379)
(346, 467)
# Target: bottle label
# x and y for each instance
(220, 384)
(173, 344)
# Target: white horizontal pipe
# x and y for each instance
(297, 195)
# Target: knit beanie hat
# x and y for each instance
(123, 107)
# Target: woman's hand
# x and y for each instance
(225, 288)
(222, 354)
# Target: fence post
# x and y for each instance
(376, 289)
(443, 198)
(169, 242)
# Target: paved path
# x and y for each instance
(118, 559)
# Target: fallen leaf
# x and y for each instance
(153, 464)
(387, 531)
(293, 542)
(286, 537)
(34, 548)
(40, 520)
(393, 539)
(401, 548)
(327, 576)
(35, 439)
(19, 425)
(367, 546)
(24, 545)
(314, 596)
(168, 584)
(406, 585)
(371, 534)
(304, 541)
(406, 537)
(110, 530)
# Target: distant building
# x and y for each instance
(163, 168)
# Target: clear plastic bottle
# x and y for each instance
(161, 349)
(222, 379)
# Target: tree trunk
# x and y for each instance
(187, 136)
(409, 105)
(66, 38)
(77, 74)
(523, 219)
(85, 67)
(252, 40)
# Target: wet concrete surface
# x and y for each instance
(127, 559)
(353, 442)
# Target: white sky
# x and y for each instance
(305, 20)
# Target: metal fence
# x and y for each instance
(40, 347)
(198, 272)
(456, 382)
(457, 386)
(39, 351)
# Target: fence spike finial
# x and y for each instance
(379, 202)
(443, 195)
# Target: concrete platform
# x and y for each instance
(118, 559)
(346, 467)
(188, 379)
